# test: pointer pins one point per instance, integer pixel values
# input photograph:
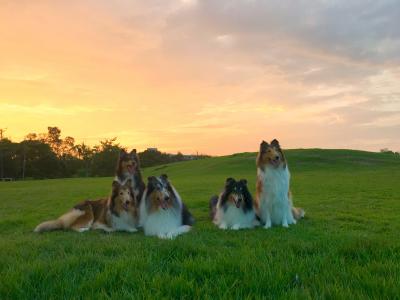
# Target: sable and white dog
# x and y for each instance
(233, 208)
(115, 213)
(162, 212)
(128, 168)
(273, 197)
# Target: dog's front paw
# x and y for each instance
(162, 236)
(171, 235)
(185, 228)
(223, 226)
(236, 227)
(268, 224)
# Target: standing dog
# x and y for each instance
(128, 167)
(162, 212)
(273, 198)
(233, 208)
(116, 213)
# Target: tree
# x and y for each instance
(68, 146)
(8, 166)
(53, 139)
(179, 156)
(31, 137)
(47, 155)
(105, 157)
(35, 159)
(386, 150)
(85, 154)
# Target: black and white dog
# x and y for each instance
(162, 212)
(128, 167)
(233, 208)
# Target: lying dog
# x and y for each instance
(162, 212)
(115, 213)
(233, 208)
(273, 197)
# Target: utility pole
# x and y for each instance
(2, 130)
(1, 163)
(24, 164)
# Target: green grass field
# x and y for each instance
(347, 247)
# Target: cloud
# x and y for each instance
(49, 110)
(185, 72)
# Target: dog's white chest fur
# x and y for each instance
(234, 218)
(275, 205)
(166, 224)
(124, 222)
(162, 222)
(275, 182)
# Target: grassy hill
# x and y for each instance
(347, 247)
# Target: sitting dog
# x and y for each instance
(233, 208)
(162, 212)
(273, 197)
(128, 167)
(115, 213)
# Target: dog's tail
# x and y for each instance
(187, 217)
(213, 206)
(298, 213)
(49, 226)
(65, 221)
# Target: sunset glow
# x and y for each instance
(212, 77)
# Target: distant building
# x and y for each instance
(189, 157)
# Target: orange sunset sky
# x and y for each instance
(209, 76)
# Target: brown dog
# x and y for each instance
(273, 198)
(115, 213)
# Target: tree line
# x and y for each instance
(48, 155)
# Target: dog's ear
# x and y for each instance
(122, 153)
(115, 189)
(128, 183)
(151, 184)
(115, 185)
(114, 193)
(244, 181)
(229, 181)
(275, 143)
(263, 146)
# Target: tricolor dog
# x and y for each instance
(162, 212)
